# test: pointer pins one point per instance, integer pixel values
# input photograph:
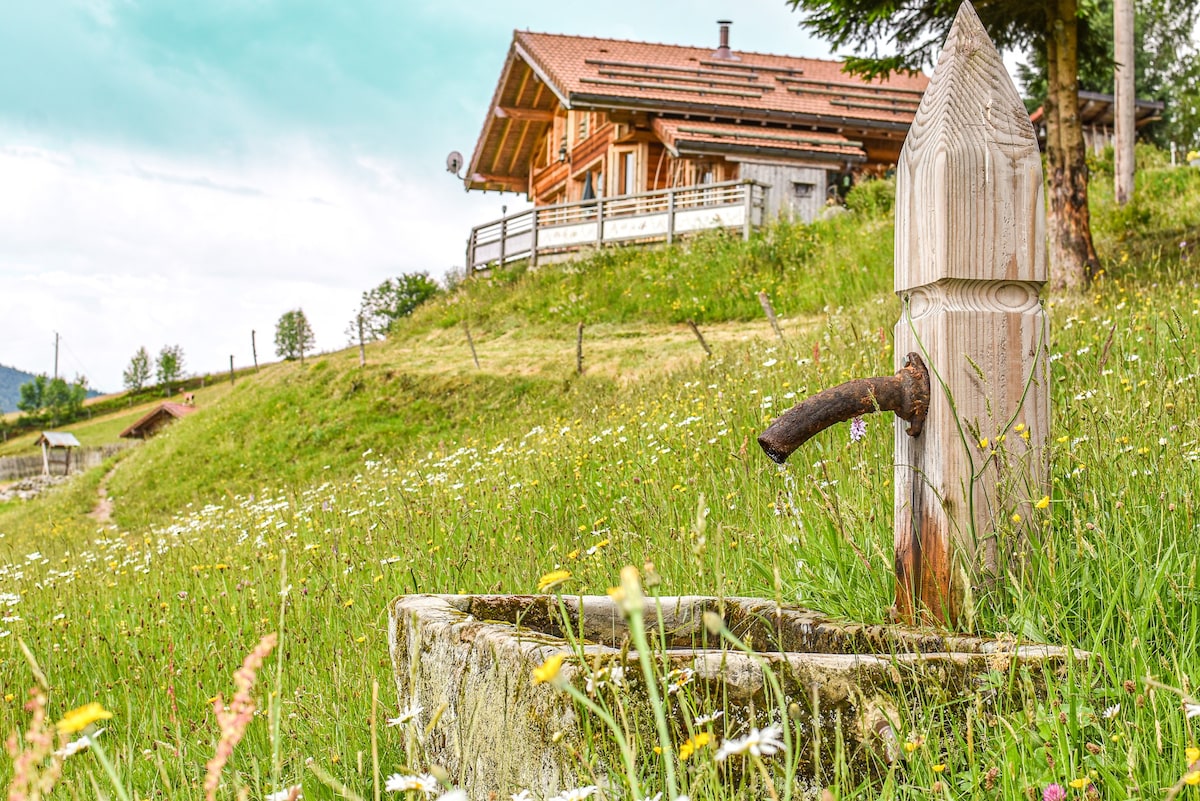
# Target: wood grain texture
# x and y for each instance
(970, 265)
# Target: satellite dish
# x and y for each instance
(454, 162)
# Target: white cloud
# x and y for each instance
(116, 249)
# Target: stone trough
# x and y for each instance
(848, 688)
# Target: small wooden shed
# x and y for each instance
(152, 423)
(56, 441)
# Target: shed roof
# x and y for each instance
(58, 439)
(168, 409)
(1097, 108)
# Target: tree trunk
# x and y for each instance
(1073, 261)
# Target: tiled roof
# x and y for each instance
(589, 72)
(685, 137)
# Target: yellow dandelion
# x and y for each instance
(548, 670)
(1079, 783)
(1193, 754)
(1192, 777)
(1043, 503)
(552, 579)
(80, 718)
(693, 745)
(939, 768)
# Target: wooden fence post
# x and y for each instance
(970, 265)
(533, 234)
(769, 310)
(579, 349)
(504, 235)
(748, 190)
(231, 380)
(362, 345)
(671, 215)
(471, 343)
(699, 336)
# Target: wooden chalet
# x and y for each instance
(154, 421)
(576, 119)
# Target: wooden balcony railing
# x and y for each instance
(646, 217)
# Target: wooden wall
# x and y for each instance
(795, 192)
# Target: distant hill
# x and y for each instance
(11, 380)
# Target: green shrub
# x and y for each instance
(873, 198)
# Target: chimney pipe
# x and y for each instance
(723, 51)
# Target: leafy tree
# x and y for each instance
(53, 400)
(1166, 65)
(388, 302)
(33, 395)
(1051, 29)
(169, 367)
(138, 372)
(293, 335)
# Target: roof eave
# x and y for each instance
(713, 148)
(593, 101)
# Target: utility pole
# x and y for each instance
(254, 349)
(231, 369)
(1123, 22)
(56, 354)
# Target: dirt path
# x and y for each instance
(102, 512)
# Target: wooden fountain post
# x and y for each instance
(970, 265)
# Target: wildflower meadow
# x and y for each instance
(224, 635)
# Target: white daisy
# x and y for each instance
(406, 715)
(75, 746)
(758, 743)
(399, 783)
(575, 793)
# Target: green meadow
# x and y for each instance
(302, 499)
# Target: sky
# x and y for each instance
(183, 173)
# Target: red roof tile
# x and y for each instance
(586, 71)
(685, 137)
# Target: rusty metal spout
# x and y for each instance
(906, 393)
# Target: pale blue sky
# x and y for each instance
(184, 172)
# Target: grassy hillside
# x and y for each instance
(346, 486)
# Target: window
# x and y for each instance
(802, 190)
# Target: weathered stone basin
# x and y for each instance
(468, 659)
